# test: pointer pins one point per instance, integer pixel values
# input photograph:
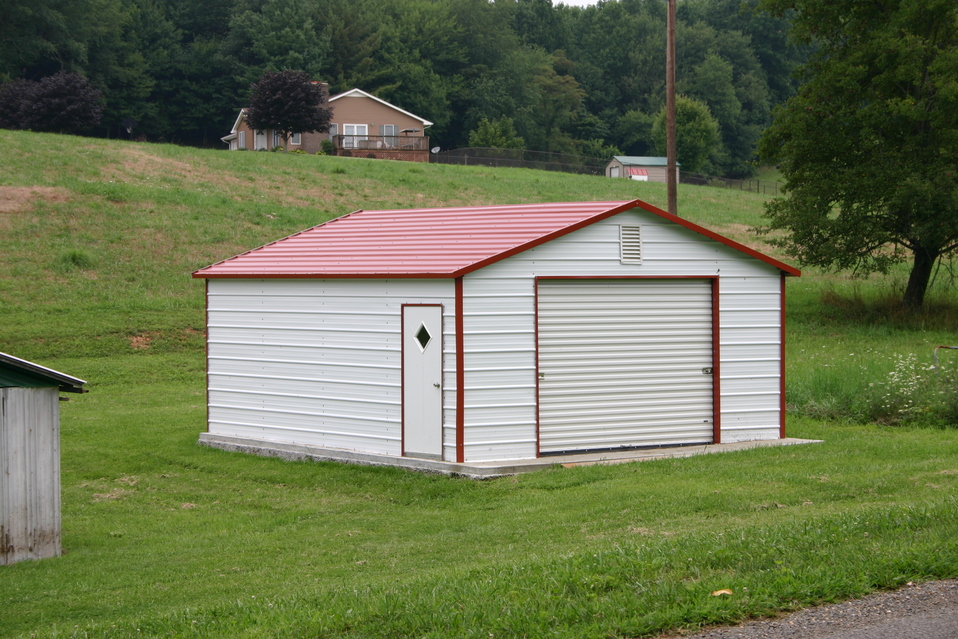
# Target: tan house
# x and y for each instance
(642, 169)
(362, 125)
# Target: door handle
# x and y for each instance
(436, 384)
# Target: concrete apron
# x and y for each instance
(479, 470)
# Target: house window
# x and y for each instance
(333, 131)
(277, 139)
(390, 134)
(242, 140)
(354, 134)
(296, 138)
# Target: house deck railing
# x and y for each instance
(381, 142)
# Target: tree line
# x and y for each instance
(519, 72)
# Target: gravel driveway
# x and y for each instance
(919, 611)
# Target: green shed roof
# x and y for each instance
(23, 374)
(641, 160)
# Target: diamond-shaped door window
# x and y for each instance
(423, 337)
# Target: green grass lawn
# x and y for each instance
(164, 537)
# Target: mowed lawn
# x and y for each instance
(163, 537)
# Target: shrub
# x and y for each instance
(13, 97)
(60, 103)
(327, 147)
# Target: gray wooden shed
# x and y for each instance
(641, 168)
(30, 458)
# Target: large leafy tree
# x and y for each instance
(697, 133)
(496, 134)
(869, 146)
(288, 102)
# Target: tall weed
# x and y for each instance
(858, 374)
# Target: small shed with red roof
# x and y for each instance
(493, 333)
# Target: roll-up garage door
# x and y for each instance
(624, 363)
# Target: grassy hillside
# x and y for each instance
(167, 538)
(99, 238)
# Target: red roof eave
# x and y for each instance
(782, 266)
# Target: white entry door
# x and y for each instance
(259, 140)
(422, 381)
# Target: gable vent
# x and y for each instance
(630, 244)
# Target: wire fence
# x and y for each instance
(755, 186)
(521, 158)
(567, 163)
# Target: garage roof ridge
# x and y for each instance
(405, 243)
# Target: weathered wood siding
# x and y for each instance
(29, 474)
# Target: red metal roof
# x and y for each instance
(418, 243)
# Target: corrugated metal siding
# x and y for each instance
(318, 362)
(621, 363)
(29, 474)
(499, 321)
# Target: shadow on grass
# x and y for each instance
(854, 308)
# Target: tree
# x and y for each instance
(13, 96)
(634, 132)
(60, 103)
(697, 133)
(288, 102)
(868, 148)
(496, 134)
(278, 34)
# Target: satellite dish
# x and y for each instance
(434, 149)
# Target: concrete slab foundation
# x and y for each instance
(479, 470)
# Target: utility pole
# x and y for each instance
(671, 179)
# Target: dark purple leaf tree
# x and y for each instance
(13, 96)
(62, 103)
(288, 102)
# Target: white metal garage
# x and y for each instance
(496, 333)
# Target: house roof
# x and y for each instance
(353, 93)
(233, 132)
(641, 160)
(21, 373)
(425, 243)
